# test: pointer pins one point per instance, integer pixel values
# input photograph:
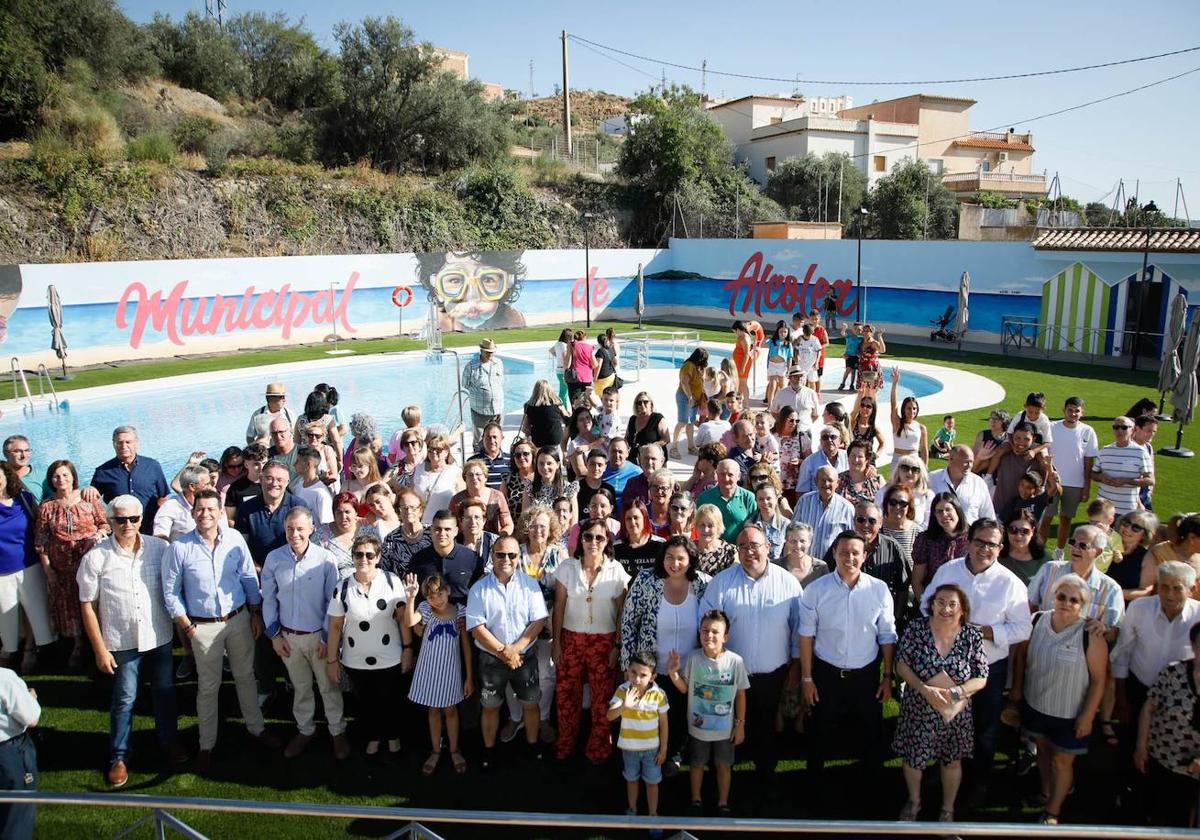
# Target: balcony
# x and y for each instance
(1006, 183)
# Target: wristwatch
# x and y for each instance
(956, 693)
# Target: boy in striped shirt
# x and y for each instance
(642, 707)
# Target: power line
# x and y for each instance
(795, 80)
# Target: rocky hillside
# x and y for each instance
(588, 107)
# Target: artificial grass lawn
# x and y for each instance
(73, 742)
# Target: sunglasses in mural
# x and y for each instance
(473, 290)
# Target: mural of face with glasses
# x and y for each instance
(10, 294)
(474, 290)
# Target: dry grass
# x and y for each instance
(102, 246)
(192, 161)
(15, 150)
(363, 173)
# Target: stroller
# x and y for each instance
(945, 324)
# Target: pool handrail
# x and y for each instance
(18, 374)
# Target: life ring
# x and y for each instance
(402, 296)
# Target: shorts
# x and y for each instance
(851, 362)
(820, 370)
(684, 409)
(812, 375)
(494, 676)
(699, 752)
(1065, 504)
(639, 764)
(1060, 732)
(777, 368)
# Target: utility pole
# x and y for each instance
(703, 80)
(566, 94)
(531, 78)
(664, 83)
(841, 170)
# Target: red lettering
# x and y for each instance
(599, 290)
(846, 305)
(598, 285)
(746, 280)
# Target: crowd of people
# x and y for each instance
(573, 591)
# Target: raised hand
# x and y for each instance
(410, 586)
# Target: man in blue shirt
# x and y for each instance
(762, 601)
(619, 469)
(298, 579)
(211, 592)
(505, 614)
(131, 474)
(459, 565)
(828, 453)
(491, 449)
(847, 625)
(483, 377)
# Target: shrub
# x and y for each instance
(217, 148)
(154, 146)
(296, 140)
(192, 130)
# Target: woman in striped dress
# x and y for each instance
(437, 681)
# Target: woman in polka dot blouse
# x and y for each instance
(364, 635)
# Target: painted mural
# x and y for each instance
(473, 290)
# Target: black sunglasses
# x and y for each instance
(126, 520)
(364, 555)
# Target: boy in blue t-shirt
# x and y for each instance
(854, 340)
(715, 681)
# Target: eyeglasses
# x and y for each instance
(505, 555)
(314, 435)
(908, 468)
(1080, 544)
(1070, 599)
(943, 604)
(680, 508)
(642, 402)
(364, 555)
(1119, 428)
(591, 537)
(897, 503)
(127, 520)
(991, 546)
(659, 489)
(491, 283)
(1133, 526)
(756, 545)
(1020, 530)
(281, 432)
(522, 454)
(830, 437)
(411, 443)
(866, 520)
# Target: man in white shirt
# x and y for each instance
(800, 397)
(1122, 468)
(1073, 450)
(126, 620)
(1000, 608)
(174, 516)
(309, 489)
(806, 352)
(958, 479)
(259, 428)
(840, 656)
(714, 428)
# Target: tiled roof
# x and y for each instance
(1173, 240)
(981, 143)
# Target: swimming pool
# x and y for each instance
(175, 417)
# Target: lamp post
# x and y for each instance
(587, 266)
(1150, 207)
(862, 219)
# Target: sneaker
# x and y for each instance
(696, 809)
(510, 729)
(118, 774)
(186, 669)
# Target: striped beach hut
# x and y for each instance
(1076, 312)
(1152, 301)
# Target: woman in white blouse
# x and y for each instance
(364, 625)
(589, 593)
(437, 478)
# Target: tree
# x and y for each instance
(808, 187)
(285, 64)
(95, 31)
(993, 200)
(24, 82)
(898, 208)
(195, 53)
(395, 109)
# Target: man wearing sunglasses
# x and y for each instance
(1123, 468)
(483, 377)
(1107, 606)
(829, 452)
(958, 478)
(126, 620)
(884, 557)
(1000, 609)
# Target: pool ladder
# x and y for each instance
(45, 383)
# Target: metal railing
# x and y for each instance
(456, 399)
(1007, 177)
(415, 817)
(638, 343)
(43, 374)
(1028, 336)
(18, 379)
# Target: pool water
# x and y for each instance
(211, 412)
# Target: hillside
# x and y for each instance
(588, 107)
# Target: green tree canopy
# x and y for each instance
(195, 53)
(898, 208)
(807, 187)
(285, 64)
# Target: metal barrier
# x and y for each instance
(1027, 336)
(415, 817)
(18, 377)
(637, 343)
(455, 398)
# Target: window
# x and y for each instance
(935, 165)
(985, 166)
(880, 163)
(771, 163)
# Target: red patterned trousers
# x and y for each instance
(585, 657)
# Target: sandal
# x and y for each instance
(460, 763)
(674, 451)
(909, 812)
(946, 815)
(1110, 734)
(1049, 819)
(431, 763)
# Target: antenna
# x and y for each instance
(796, 87)
(1118, 201)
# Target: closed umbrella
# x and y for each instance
(1183, 395)
(639, 305)
(58, 341)
(1168, 368)
(964, 294)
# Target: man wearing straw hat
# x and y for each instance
(259, 428)
(483, 377)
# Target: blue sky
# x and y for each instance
(1149, 135)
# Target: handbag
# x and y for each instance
(570, 376)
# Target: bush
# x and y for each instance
(197, 54)
(258, 139)
(154, 146)
(191, 131)
(296, 140)
(217, 148)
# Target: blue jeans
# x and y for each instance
(125, 687)
(18, 771)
